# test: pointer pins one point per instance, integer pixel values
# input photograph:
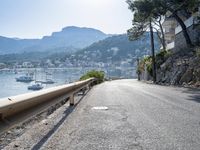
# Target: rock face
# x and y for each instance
(187, 76)
(180, 69)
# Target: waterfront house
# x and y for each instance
(173, 31)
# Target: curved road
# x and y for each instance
(138, 116)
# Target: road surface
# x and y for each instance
(136, 116)
(128, 115)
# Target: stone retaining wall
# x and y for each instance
(180, 42)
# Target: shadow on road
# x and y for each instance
(194, 94)
(54, 129)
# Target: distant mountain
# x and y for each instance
(116, 48)
(69, 39)
(112, 50)
(11, 45)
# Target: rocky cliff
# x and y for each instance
(182, 68)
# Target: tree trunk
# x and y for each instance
(153, 53)
(160, 37)
(163, 35)
(138, 72)
(182, 24)
(184, 29)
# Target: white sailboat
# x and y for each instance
(48, 80)
(26, 78)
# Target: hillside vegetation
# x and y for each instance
(115, 48)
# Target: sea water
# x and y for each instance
(9, 86)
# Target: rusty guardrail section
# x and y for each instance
(12, 106)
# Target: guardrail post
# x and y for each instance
(71, 100)
(1, 116)
(89, 86)
(84, 90)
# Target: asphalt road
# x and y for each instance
(139, 116)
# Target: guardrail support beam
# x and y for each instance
(71, 100)
(89, 86)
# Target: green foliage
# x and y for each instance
(198, 52)
(162, 56)
(144, 12)
(136, 31)
(99, 75)
(146, 61)
(178, 5)
(102, 50)
(141, 18)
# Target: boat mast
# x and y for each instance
(35, 74)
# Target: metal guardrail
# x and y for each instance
(13, 106)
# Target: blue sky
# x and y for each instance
(36, 18)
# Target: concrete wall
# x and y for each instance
(180, 42)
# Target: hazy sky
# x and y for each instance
(36, 18)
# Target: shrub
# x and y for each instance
(198, 52)
(146, 61)
(162, 56)
(99, 75)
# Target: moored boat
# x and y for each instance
(35, 87)
(48, 81)
(24, 79)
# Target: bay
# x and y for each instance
(9, 86)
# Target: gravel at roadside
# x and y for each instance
(27, 134)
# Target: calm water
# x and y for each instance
(9, 86)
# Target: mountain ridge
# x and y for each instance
(111, 50)
(72, 36)
(117, 48)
